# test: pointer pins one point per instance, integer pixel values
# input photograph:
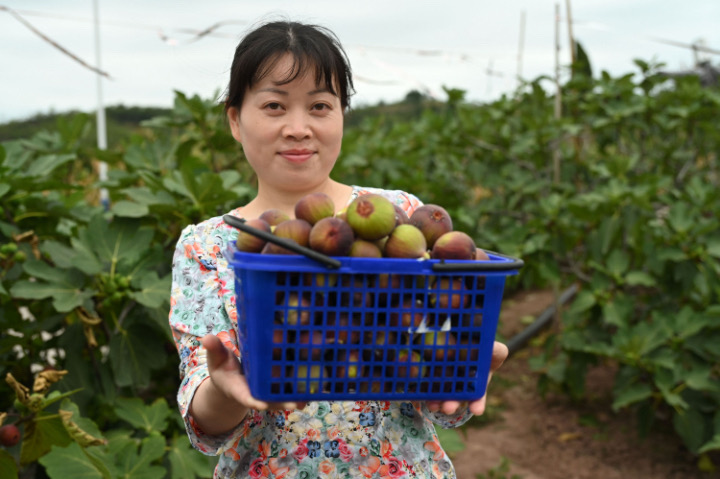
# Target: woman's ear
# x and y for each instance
(233, 115)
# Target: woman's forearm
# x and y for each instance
(214, 412)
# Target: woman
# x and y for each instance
(289, 88)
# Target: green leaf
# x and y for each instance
(133, 353)
(618, 311)
(66, 292)
(617, 262)
(712, 445)
(639, 278)
(120, 240)
(630, 395)
(44, 165)
(84, 257)
(149, 418)
(84, 423)
(130, 209)
(186, 462)
(691, 427)
(713, 247)
(583, 301)
(40, 436)
(154, 291)
(8, 468)
(63, 256)
(71, 461)
(138, 466)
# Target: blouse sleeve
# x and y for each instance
(200, 304)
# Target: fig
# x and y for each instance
(481, 255)
(314, 339)
(342, 214)
(314, 207)
(331, 236)
(293, 229)
(298, 310)
(249, 242)
(406, 241)
(436, 343)
(313, 372)
(361, 248)
(433, 221)
(401, 218)
(274, 217)
(411, 367)
(452, 293)
(9, 435)
(371, 216)
(454, 245)
(342, 331)
(350, 364)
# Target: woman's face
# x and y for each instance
(291, 134)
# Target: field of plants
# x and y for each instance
(620, 196)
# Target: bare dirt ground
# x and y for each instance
(554, 438)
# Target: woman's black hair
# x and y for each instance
(311, 46)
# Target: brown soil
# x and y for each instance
(555, 438)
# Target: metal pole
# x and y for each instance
(100, 115)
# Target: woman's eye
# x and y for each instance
(273, 106)
(321, 107)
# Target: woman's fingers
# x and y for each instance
(499, 355)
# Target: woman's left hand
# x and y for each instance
(499, 354)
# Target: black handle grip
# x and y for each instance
(239, 223)
(515, 263)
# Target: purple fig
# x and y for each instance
(314, 207)
(331, 236)
(401, 217)
(406, 241)
(454, 245)
(274, 217)
(433, 221)
(294, 230)
(371, 216)
(249, 242)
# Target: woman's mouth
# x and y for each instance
(296, 155)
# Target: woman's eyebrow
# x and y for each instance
(284, 92)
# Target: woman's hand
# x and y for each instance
(223, 399)
(499, 354)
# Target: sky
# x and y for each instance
(149, 49)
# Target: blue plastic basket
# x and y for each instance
(372, 329)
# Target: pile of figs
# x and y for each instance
(371, 227)
(370, 326)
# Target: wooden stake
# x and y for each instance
(573, 46)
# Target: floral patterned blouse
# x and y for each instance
(338, 439)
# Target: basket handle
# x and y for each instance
(239, 223)
(514, 263)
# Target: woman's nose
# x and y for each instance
(297, 126)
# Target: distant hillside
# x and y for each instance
(123, 121)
